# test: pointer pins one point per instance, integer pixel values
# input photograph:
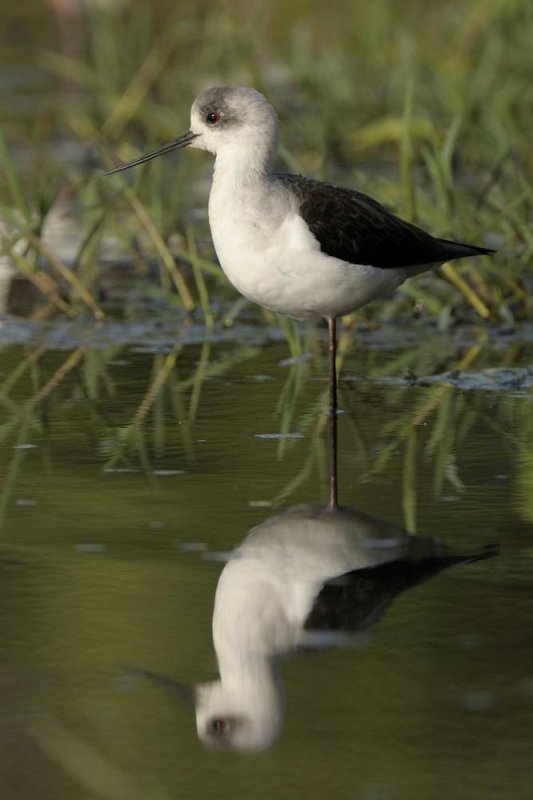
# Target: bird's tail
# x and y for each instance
(462, 250)
(488, 551)
(415, 571)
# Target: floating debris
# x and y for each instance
(278, 435)
(221, 555)
(121, 470)
(164, 473)
(157, 525)
(301, 359)
(89, 547)
(497, 379)
(478, 700)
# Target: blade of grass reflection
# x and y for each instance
(297, 480)
(322, 463)
(287, 401)
(198, 381)
(96, 373)
(307, 341)
(70, 362)
(15, 465)
(469, 357)
(315, 413)
(358, 440)
(442, 441)
(400, 428)
(409, 481)
(20, 370)
(220, 367)
(159, 427)
(385, 453)
(129, 435)
(85, 765)
(292, 332)
(137, 441)
(180, 414)
(162, 369)
(316, 455)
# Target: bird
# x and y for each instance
(306, 578)
(290, 243)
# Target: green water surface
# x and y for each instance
(107, 560)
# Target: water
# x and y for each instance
(111, 551)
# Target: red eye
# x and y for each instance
(213, 117)
(219, 726)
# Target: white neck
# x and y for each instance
(243, 666)
(244, 161)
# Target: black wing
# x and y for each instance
(356, 228)
(358, 599)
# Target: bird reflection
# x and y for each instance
(306, 578)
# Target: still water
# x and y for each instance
(146, 457)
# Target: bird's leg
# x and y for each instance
(332, 331)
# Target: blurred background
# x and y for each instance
(426, 107)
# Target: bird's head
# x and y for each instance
(229, 119)
(232, 117)
(239, 718)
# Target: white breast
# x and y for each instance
(269, 254)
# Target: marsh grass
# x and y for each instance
(427, 109)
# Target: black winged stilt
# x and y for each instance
(293, 244)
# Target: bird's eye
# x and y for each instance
(213, 117)
(219, 725)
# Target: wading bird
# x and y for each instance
(292, 244)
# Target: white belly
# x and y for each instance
(275, 261)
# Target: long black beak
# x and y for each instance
(185, 693)
(183, 141)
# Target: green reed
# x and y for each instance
(418, 106)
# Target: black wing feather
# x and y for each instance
(359, 598)
(353, 227)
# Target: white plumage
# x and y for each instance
(305, 578)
